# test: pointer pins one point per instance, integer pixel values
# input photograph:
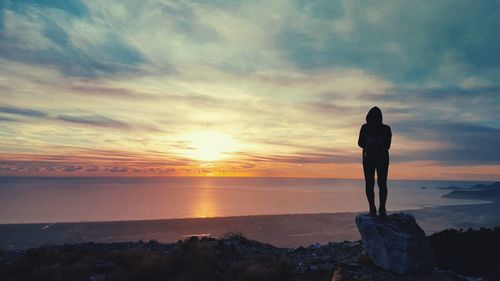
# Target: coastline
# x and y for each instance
(286, 230)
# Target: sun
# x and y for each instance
(209, 145)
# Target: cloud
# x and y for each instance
(122, 84)
(32, 113)
(64, 36)
(94, 120)
(463, 144)
(91, 159)
(306, 158)
(403, 41)
(72, 168)
(92, 169)
(7, 119)
(118, 169)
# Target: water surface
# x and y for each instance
(29, 199)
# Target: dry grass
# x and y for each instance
(191, 259)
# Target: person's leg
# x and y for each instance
(369, 171)
(382, 171)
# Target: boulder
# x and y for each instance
(105, 265)
(341, 274)
(396, 243)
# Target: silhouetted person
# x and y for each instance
(375, 139)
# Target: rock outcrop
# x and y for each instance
(396, 243)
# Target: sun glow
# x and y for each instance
(209, 146)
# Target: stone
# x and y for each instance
(97, 277)
(316, 245)
(396, 243)
(341, 274)
(105, 265)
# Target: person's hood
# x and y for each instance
(374, 116)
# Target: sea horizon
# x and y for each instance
(104, 199)
(473, 180)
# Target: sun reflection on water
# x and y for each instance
(205, 203)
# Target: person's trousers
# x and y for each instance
(379, 165)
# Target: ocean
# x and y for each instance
(62, 199)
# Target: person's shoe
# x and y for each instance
(373, 211)
(382, 213)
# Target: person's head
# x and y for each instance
(374, 116)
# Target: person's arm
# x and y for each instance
(389, 137)
(362, 137)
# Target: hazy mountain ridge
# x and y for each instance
(480, 186)
(478, 191)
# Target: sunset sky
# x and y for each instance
(248, 88)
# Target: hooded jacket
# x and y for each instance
(374, 126)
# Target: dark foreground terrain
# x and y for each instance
(472, 253)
